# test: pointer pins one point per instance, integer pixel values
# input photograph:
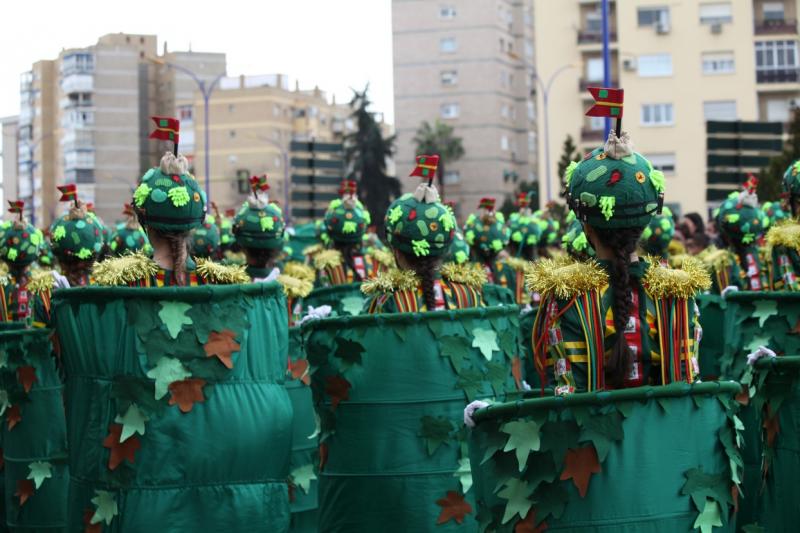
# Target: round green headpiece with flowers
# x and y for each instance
(658, 233)
(791, 179)
(169, 198)
(21, 242)
(347, 219)
(259, 224)
(205, 239)
(486, 231)
(524, 228)
(774, 212)
(615, 187)
(739, 218)
(420, 224)
(459, 249)
(128, 236)
(548, 229)
(574, 241)
(77, 235)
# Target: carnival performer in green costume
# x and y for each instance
(129, 236)
(206, 240)
(525, 232)
(783, 237)
(487, 237)
(77, 239)
(618, 322)
(420, 231)
(658, 234)
(574, 241)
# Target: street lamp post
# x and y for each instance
(545, 88)
(205, 90)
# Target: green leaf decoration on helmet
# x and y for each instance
(259, 224)
(774, 213)
(205, 239)
(77, 234)
(346, 219)
(575, 243)
(548, 229)
(21, 243)
(127, 239)
(420, 224)
(486, 231)
(459, 249)
(524, 229)
(658, 234)
(739, 218)
(615, 187)
(46, 257)
(168, 198)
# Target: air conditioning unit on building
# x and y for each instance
(662, 28)
(629, 64)
(716, 29)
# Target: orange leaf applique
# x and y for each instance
(772, 426)
(453, 508)
(735, 497)
(13, 416)
(298, 369)
(743, 397)
(323, 456)
(186, 392)
(25, 490)
(120, 451)
(796, 329)
(338, 389)
(579, 465)
(27, 376)
(87, 522)
(222, 345)
(516, 371)
(528, 525)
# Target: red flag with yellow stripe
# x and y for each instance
(607, 102)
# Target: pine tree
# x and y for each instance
(770, 179)
(568, 155)
(366, 151)
(439, 139)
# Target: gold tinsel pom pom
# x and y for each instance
(314, 249)
(299, 270)
(295, 287)
(786, 234)
(391, 281)
(517, 264)
(715, 260)
(327, 258)
(686, 282)
(41, 281)
(564, 279)
(470, 274)
(122, 271)
(217, 274)
(383, 257)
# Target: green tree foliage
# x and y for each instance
(568, 155)
(439, 139)
(366, 152)
(769, 182)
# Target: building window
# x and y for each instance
(531, 142)
(276, 110)
(776, 55)
(232, 134)
(504, 111)
(716, 13)
(449, 111)
(504, 143)
(718, 63)
(663, 162)
(773, 11)
(449, 78)
(597, 123)
(528, 48)
(657, 115)
(653, 16)
(594, 22)
(531, 110)
(720, 110)
(185, 113)
(448, 45)
(594, 69)
(447, 12)
(779, 110)
(654, 66)
(451, 177)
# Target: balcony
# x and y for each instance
(591, 135)
(783, 75)
(775, 27)
(77, 83)
(584, 84)
(595, 37)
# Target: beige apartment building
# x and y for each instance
(681, 64)
(84, 118)
(252, 121)
(469, 64)
(8, 151)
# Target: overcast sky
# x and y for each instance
(335, 44)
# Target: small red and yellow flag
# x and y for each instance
(487, 203)
(167, 129)
(607, 102)
(16, 206)
(348, 187)
(259, 183)
(69, 192)
(426, 166)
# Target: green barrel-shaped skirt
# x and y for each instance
(178, 418)
(390, 391)
(34, 433)
(345, 300)
(649, 459)
(304, 469)
(497, 295)
(712, 345)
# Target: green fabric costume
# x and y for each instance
(741, 223)
(658, 234)
(205, 240)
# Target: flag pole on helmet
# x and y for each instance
(167, 129)
(69, 193)
(607, 103)
(426, 167)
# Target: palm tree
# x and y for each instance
(439, 139)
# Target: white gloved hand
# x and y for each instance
(762, 351)
(470, 409)
(316, 313)
(61, 281)
(729, 289)
(272, 277)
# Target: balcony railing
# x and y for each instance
(784, 75)
(591, 135)
(585, 84)
(774, 27)
(595, 37)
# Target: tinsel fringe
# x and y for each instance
(295, 287)
(470, 274)
(383, 257)
(299, 271)
(327, 258)
(563, 278)
(42, 281)
(217, 274)
(391, 281)
(122, 271)
(519, 265)
(686, 282)
(786, 234)
(716, 260)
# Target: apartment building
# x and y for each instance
(681, 64)
(8, 150)
(468, 64)
(252, 121)
(84, 118)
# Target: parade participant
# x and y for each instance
(549, 229)
(741, 224)
(643, 312)
(346, 222)
(574, 241)
(206, 240)
(129, 236)
(20, 247)
(258, 228)
(658, 234)
(525, 232)
(77, 239)
(487, 236)
(420, 231)
(783, 237)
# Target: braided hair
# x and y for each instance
(425, 267)
(623, 243)
(348, 250)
